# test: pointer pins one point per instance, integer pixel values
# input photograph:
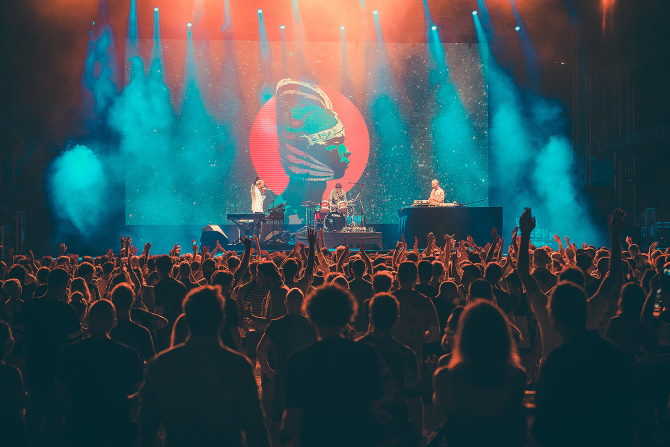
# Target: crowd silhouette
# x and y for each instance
(457, 344)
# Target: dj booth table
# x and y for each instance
(461, 221)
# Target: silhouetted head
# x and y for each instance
(493, 273)
(383, 312)
(470, 273)
(567, 309)
(203, 307)
(484, 340)
(382, 281)
(58, 281)
(101, 317)
(164, 265)
(631, 300)
(330, 307)
(357, 267)
(294, 299)
(223, 279)
(123, 297)
(574, 275)
(290, 269)
(425, 271)
(85, 270)
(12, 289)
(480, 288)
(407, 274)
(268, 274)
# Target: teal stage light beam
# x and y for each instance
(267, 87)
(388, 126)
(533, 163)
(454, 138)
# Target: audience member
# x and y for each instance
(202, 392)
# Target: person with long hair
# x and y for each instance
(480, 392)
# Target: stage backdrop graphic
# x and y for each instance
(381, 120)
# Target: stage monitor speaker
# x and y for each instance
(211, 234)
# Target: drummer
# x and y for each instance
(336, 196)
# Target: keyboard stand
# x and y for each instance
(247, 227)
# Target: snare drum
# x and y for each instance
(342, 207)
(324, 208)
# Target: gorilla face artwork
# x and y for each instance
(311, 136)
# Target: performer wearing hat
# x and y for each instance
(336, 196)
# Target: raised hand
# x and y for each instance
(194, 246)
(147, 247)
(62, 248)
(218, 247)
(311, 237)
(616, 221)
(246, 242)
(515, 231)
(629, 240)
(526, 222)
(494, 234)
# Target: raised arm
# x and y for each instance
(244, 265)
(494, 245)
(602, 305)
(306, 279)
(366, 258)
(537, 299)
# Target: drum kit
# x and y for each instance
(346, 215)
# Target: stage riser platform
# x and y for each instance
(373, 240)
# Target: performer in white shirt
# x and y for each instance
(436, 194)
(257, 196)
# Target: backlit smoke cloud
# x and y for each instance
(79, 187)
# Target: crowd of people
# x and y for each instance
(456, 344)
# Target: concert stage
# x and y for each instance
(460, 221)
(373, 240)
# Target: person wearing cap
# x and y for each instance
(337, 195)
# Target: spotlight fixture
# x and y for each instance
(156, 9)
(189, 24)
(282, 27)
(517, 28)
(434, 28)
(342, 28)
(375, 12)
(474, 13)
(260, 11)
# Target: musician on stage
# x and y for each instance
(257, 195)
(336, 196)
(436, 194)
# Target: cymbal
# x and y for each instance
(309, 203)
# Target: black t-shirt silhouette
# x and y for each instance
(289, 334)
(135, 336)
(169, 295)
(48, 325)
(584, 395)
(334, 382)
(100, 373)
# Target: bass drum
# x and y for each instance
(335, 222)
